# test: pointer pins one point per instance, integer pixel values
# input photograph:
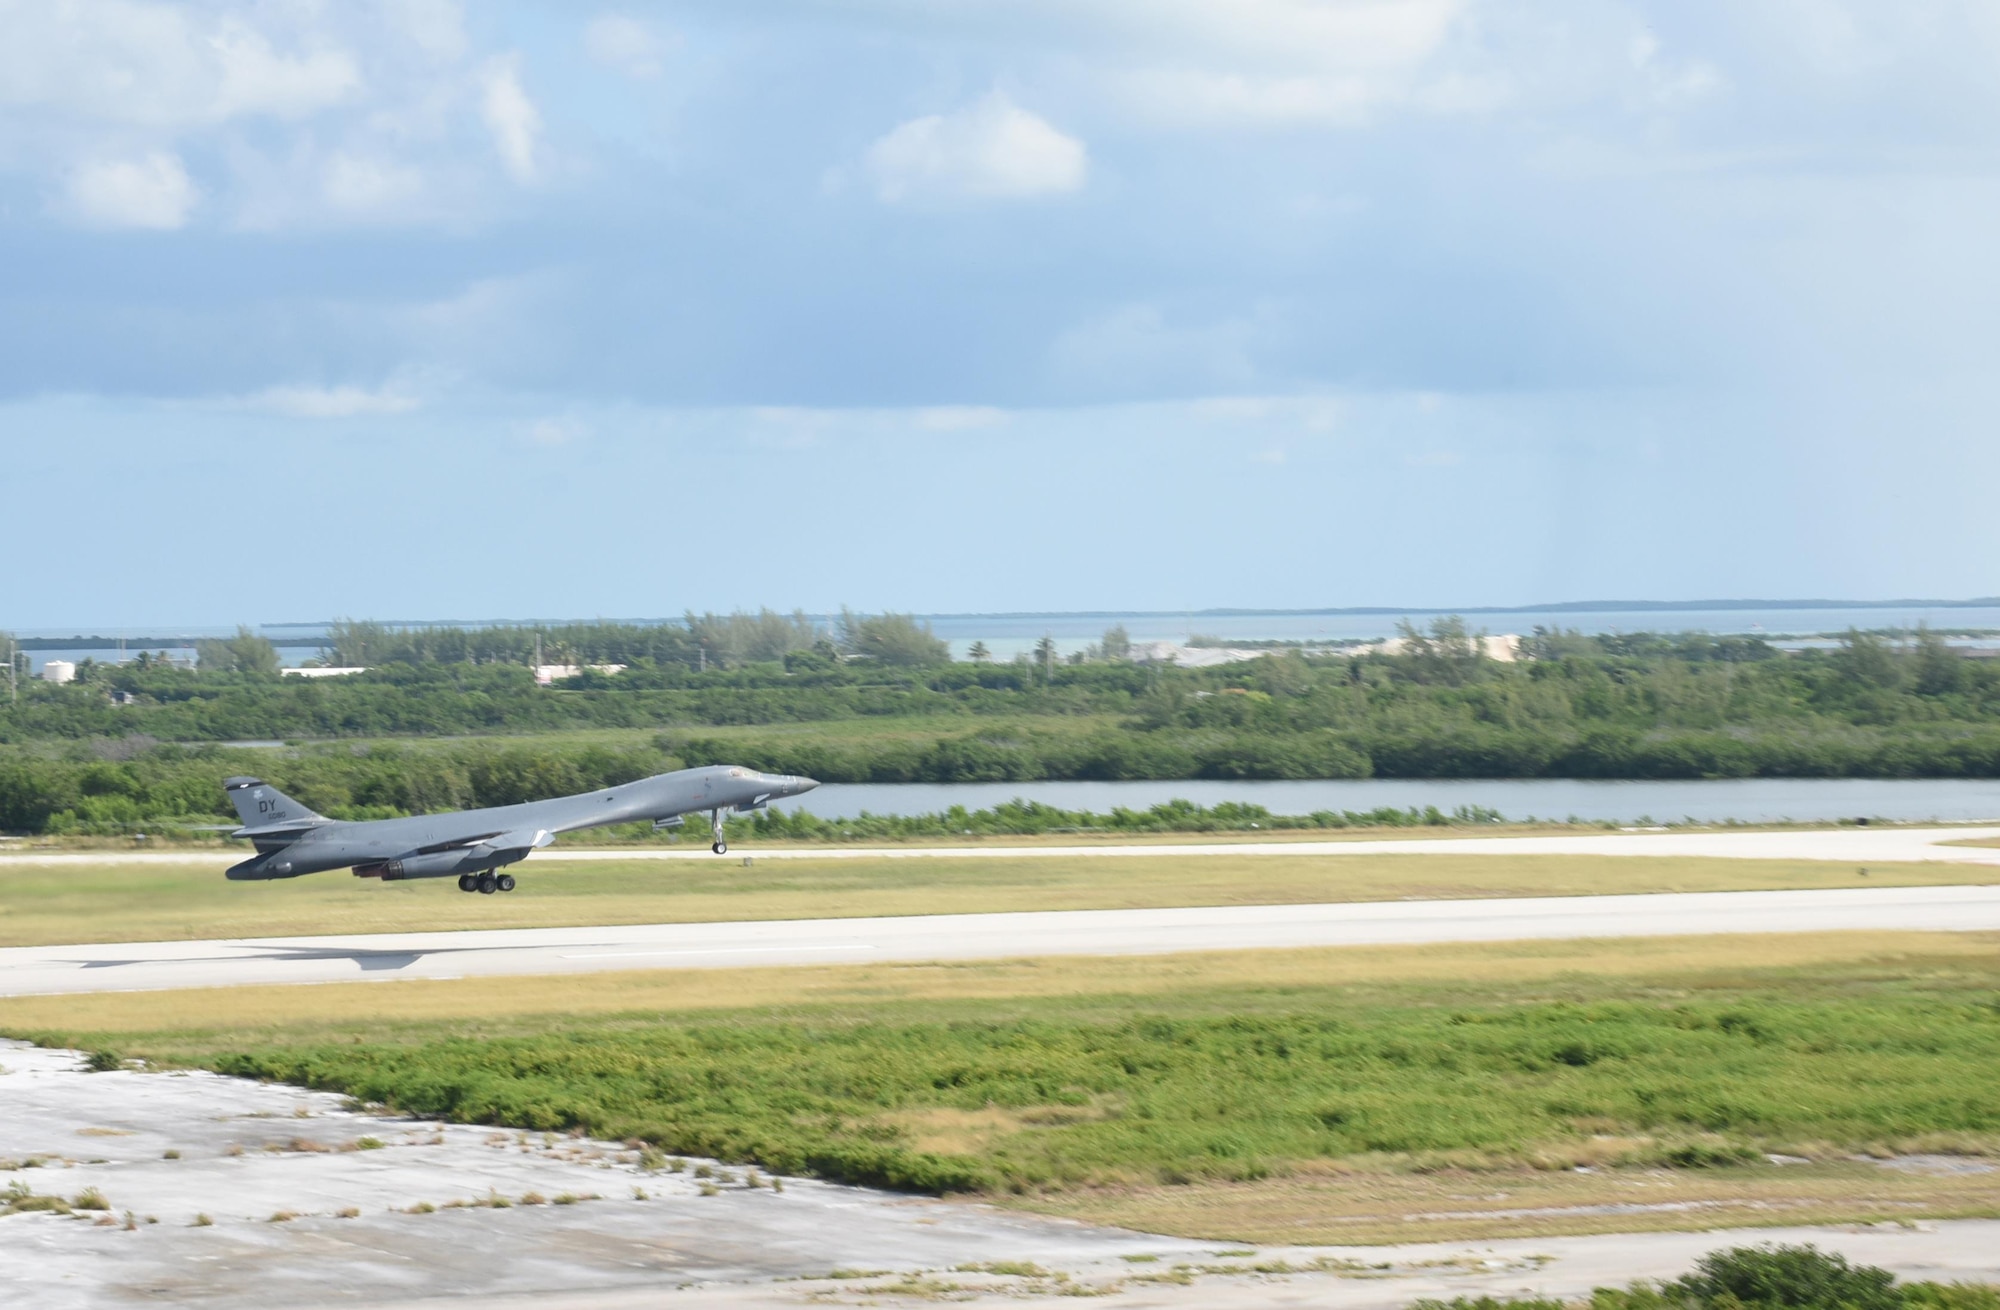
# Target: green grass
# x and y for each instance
(1217, 1085)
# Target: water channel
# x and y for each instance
(1740, 800)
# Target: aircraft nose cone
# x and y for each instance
(800, 786)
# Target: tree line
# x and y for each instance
(1628, 706)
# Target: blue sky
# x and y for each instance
(429, 309)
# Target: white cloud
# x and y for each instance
(436, 27)
(366, 186)
(159, 66)
(1326, 33)
(990, 150)
(624, 43)
(254, 78)
(1268, 62)
(1667, 84)
(512, 118)
(1198, 95)
(330, 402)
(153, 191)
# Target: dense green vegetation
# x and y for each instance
(1219, 1083)
(882, 704)
(1767, 1277)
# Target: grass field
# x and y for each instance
(42, 904)
(1303, 1096)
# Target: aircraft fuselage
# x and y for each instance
(292, 841)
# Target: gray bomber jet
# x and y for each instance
(471, 844)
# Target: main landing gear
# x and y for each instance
(485, 883)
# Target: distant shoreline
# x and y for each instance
(312, 633)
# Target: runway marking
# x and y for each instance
(716, 950)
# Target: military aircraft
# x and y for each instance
(472, 844)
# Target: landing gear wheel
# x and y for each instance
(468, 882)
(506, 882)
(488, 884)
(721, 847)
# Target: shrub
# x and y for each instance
(1787, 1278)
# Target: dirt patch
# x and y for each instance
(1368, 1206)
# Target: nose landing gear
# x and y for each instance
(721, 846)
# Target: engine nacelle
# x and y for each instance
(438, 864)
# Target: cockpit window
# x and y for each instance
(739, 773)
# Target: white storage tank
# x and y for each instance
(58, 671)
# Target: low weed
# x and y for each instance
(19, 1198)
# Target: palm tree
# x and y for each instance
(979, 654)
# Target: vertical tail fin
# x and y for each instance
(259, 804)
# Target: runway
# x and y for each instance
(148, 966)
(1841, 845)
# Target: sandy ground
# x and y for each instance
(1847, 845)
(249, 1152)
(143, 966)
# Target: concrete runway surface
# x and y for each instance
(1841, 845)
(249, 1151)
(145, 966)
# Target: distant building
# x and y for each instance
(1189, 657)
(548, 673)
(1504, 648)
(58, 671)
(323, 672)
